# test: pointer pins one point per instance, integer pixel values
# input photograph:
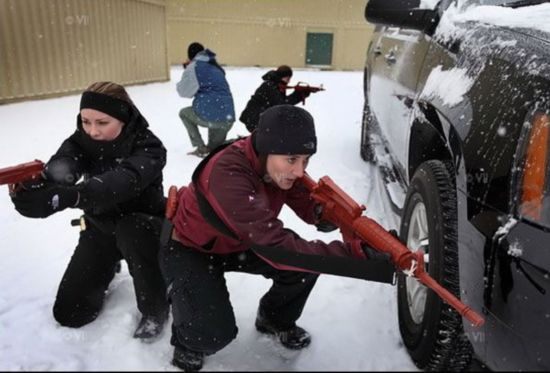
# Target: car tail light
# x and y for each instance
(535, 180)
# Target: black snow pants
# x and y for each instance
(203, 318)
(135, 238)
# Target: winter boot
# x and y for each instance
(189, 361)
(201, 151)
(150, 327)
(294, 338)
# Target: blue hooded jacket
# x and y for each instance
(205, 80)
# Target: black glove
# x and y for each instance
(373, 254)
(44, 201)
(323, 225)
(394, 233)
(326, 226)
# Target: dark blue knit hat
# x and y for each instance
(286, 129)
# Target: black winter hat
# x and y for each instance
(193, 49)
(284, 71)
(286, 129)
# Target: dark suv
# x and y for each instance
(457, 117)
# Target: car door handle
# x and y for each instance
(377, 51)
(390, 58)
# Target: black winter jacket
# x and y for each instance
(266, 96)
(120, 176)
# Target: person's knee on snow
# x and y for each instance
(74, 313)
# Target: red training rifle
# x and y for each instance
(304, 87)
(340, 209)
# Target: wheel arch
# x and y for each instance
(432, 136)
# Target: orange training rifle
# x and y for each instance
(340, 209)
(21, 173)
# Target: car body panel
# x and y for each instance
(397, 75)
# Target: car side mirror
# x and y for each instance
(402, 14)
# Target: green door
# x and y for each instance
(319, 48)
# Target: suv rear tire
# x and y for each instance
(431, 330)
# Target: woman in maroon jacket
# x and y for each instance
(226, 216)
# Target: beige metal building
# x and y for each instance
(56, 47)
(327, 33)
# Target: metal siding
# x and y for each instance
(268, 32)
(52, 47)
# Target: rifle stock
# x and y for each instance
(20, 173)
(342, 210)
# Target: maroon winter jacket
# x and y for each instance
(232, 183)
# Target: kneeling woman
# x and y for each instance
(122, 196)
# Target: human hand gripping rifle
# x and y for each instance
(14, 176)
(340, 209)
(22, 175)
(306, 88)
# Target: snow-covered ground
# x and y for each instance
(353, 322)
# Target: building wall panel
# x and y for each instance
(54, 47)
(268, 32)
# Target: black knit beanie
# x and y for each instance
(283, 71)
(193, 49)
(286, 129)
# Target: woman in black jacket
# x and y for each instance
(111, 167)
(270, 93)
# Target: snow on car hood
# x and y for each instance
(533, 17)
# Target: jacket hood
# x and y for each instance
(272, 76)
(206, 56)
